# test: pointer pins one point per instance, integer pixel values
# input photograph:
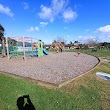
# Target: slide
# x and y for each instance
(45, 52)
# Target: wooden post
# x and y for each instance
(24, 48)
(32, 48)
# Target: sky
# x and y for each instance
(72, 20)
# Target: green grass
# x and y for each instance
(42, 98)
(102, 53)
(85, 93)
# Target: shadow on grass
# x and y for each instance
(22, 105)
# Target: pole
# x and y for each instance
(24, 48)
(32, 47)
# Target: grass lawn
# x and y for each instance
(85, 93)
(98, 53)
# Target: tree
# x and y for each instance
(54, 41)
(76, 44)
(71, 42)
(1, 32)
(61, 39)
(91, 42)
(2, 39)
(104, 45)
(63, 43)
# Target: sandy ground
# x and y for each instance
(54, 68)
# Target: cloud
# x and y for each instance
(105, 29)
(46, 13)
(26, 6)
(57, 8)
(103, 33)
(43, 23)
(104, 38)
(33, 29)
(69, 15)
(52, 11)
(85, 39)
(98, 38)
(36, 29)
(58, 5)
(6, 10)
(67, 36)
(48, 41)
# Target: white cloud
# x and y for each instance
(56, 9)
(52, 11)
(48, 41)
(43, 23)
(104, 38)
(46, 13)
(105, 29)
(26, 6)
(69, 15)
(33, 29)
(58, 5)
(6, 10)
(103, 33)
(36, 29)
(85, 39)
(52, 19)
(98, 38)
(67, 36)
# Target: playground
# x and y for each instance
(23, 47)
(84, 93)
(52, 69)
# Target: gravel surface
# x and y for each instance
(54, 68)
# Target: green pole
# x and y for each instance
(40, 50)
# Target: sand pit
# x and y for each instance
(54, 68)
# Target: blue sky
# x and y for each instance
(81, 20)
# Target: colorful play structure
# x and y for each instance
(24, 47)
(57, 46)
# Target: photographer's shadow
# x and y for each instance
(22, 105)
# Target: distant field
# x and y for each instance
(98, 53)
(85, 93)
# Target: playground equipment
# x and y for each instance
(41, 50)
(78, 53)
(20, 47)
(24, 47)
(58, 47)
(40, 46)
(44, 51)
